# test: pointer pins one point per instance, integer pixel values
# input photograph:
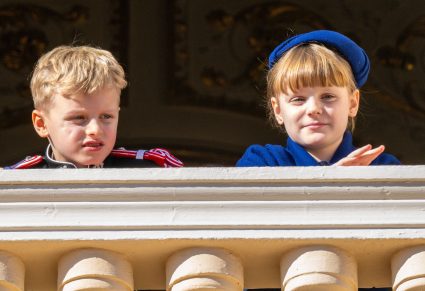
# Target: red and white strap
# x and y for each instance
(27, 163)
(163, 158)
(159, 156)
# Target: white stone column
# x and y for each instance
(204, 269)
(94, 269)
(318, 268)
(408, 269)
(12, 272)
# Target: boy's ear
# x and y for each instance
(354, 103)
(39, 123)
(276, 109)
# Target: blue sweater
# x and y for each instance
(295, 155)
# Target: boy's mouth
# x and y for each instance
(92, 145)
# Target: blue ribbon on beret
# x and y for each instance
(353, 53)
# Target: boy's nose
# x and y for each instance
(93, 127)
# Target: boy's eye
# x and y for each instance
(77, 117)
(106, 116)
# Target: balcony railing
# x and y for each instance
(335, 228)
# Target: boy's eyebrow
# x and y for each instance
(83, 110)
(112, 108)
(75, 111)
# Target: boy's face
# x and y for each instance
(317, 117)
(82, 128)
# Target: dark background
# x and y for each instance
(196, 69)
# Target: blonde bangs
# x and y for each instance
(309, 65)
(68, 70)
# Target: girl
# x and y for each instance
(313, 92)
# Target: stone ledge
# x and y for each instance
(257, 213)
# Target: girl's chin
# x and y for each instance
(313, 139)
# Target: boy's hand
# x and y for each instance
(361, 157)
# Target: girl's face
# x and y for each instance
(316, 117)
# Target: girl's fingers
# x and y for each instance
(361, 157)
(366, 158)
(347, 161)
(374, 152)
(360, 151)
(369, 156)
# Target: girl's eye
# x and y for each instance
(328, 97)
(297, 100)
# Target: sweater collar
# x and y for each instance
(52, 163)
(303, 158)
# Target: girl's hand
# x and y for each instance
(361, 157)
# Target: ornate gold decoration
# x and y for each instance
(405, 64)
(220, 53)
(29, 30)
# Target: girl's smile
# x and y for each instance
(315, 125)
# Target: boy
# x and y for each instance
(76, 93)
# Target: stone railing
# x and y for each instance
(319, 228)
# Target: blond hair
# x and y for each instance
(69, 70)
(308, 65)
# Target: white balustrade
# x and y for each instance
(12, 272)
(94, 269)
(317, 228)
(204, 269)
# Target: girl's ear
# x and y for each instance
(354, 103)
(39, 123)
(276, 110)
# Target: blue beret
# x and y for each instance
(354, 54)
